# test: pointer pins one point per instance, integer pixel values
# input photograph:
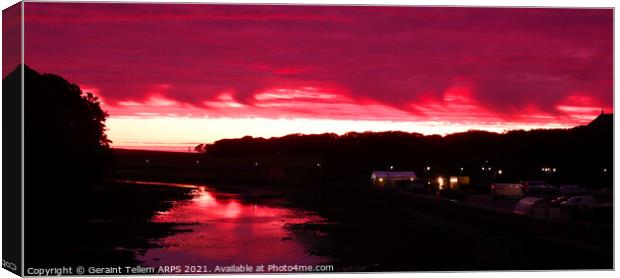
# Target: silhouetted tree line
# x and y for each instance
(65, 139)
(581, 155)
(66, 153)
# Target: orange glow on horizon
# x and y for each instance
(181, 133)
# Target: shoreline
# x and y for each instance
(364, 229)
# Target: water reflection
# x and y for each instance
(228, 231)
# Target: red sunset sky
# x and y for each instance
(172, 76)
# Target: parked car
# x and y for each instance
(529, 183)
(452, 194)
(506, 190)
(578, 202)
(586, 207)
(528, 206)
(539, 208)
(572, 190)
(538, 188)
(555, 202)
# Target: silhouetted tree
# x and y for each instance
(66, 150)
(65, 140)
(66, 153)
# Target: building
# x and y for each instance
(457, 181)
(389, 178)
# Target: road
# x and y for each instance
(483, 201)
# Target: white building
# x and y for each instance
(390, 177)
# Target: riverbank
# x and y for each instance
(106, 227)
(376, 230)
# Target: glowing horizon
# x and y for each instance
(176, 134)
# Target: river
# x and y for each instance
(222, 229)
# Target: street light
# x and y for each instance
(499, 172)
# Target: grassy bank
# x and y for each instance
(106, 227)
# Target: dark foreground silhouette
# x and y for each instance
(72, 215)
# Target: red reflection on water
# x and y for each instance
(227, 231)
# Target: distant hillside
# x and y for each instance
(582, 154)
(602, 121)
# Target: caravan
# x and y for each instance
(506, 190)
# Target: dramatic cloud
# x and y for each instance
(11, 39)
(453, 65)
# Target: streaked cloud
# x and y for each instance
(471, 66)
